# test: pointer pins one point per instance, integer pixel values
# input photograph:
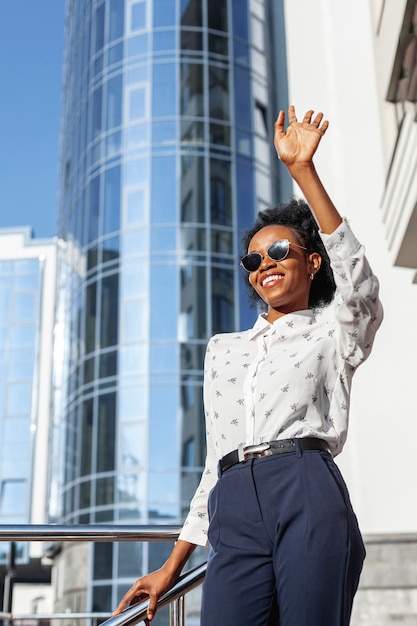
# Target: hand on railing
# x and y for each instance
(152, 586)
(132, 615)
(157, 583)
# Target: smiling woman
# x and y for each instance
(271, 502)
(297, 219)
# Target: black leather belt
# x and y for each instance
(280, 446)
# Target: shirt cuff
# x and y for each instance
(342, 243)
(194, 531)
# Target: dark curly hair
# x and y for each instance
(297, 216)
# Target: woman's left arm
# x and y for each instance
(296, 147)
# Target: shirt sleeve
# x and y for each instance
(358, 309)
(196, 524)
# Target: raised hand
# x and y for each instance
(298, 143)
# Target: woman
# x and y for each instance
(282, 531)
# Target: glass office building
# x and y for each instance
(27, 299)
(168, 110)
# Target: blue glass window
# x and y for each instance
(164, 87)
(163, 436)
(94, 209)
(240, 19)
(137, 45)
(138, 16)
(134, 327)
(99, 28)
(114, 102)
(220, 193)
(13, 497)
(163, 192)
(136, 207)
(164, 132)
(109, 310)
(243, 106)
(19, 399)
(163, 13)
(96, 121)
(111, 214)
(137, 102)
(116, 21)
(164, 296)
(164, 40)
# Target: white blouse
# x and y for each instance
(291, 378)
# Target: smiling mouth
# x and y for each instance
(271, 278)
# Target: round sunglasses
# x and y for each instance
(277, 251)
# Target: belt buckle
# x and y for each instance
(254, 451)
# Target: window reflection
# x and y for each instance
(192, 194)
(220, 135)
(220, 192)
(217, 15)
(106, 432)
(111, 209)
(131, 488)
(12, 497)
(219, 93)
(191, 13)
(192, 41)
(109, 311)
(192, 100)
(132, 440)
(218, 45)
(222, 301)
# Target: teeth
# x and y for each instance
(271, 278)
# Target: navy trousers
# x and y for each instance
(285, 544)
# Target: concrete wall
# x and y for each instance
(388, 589)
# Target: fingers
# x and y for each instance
(153, 601)
(135, 594)
(279, 122)
(317, 122)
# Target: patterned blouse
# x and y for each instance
(291, 378)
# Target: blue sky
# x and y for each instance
(31, 54)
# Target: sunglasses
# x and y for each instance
(277, 251)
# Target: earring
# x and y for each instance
(311, 276)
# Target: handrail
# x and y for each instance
(51, 533)
(188, 581)
(88, 532)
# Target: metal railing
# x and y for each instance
(174, 597)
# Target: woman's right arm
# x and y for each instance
(154, 585)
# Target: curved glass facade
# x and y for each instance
(166, 156)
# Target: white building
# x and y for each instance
(27, 303)
(368, 163)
